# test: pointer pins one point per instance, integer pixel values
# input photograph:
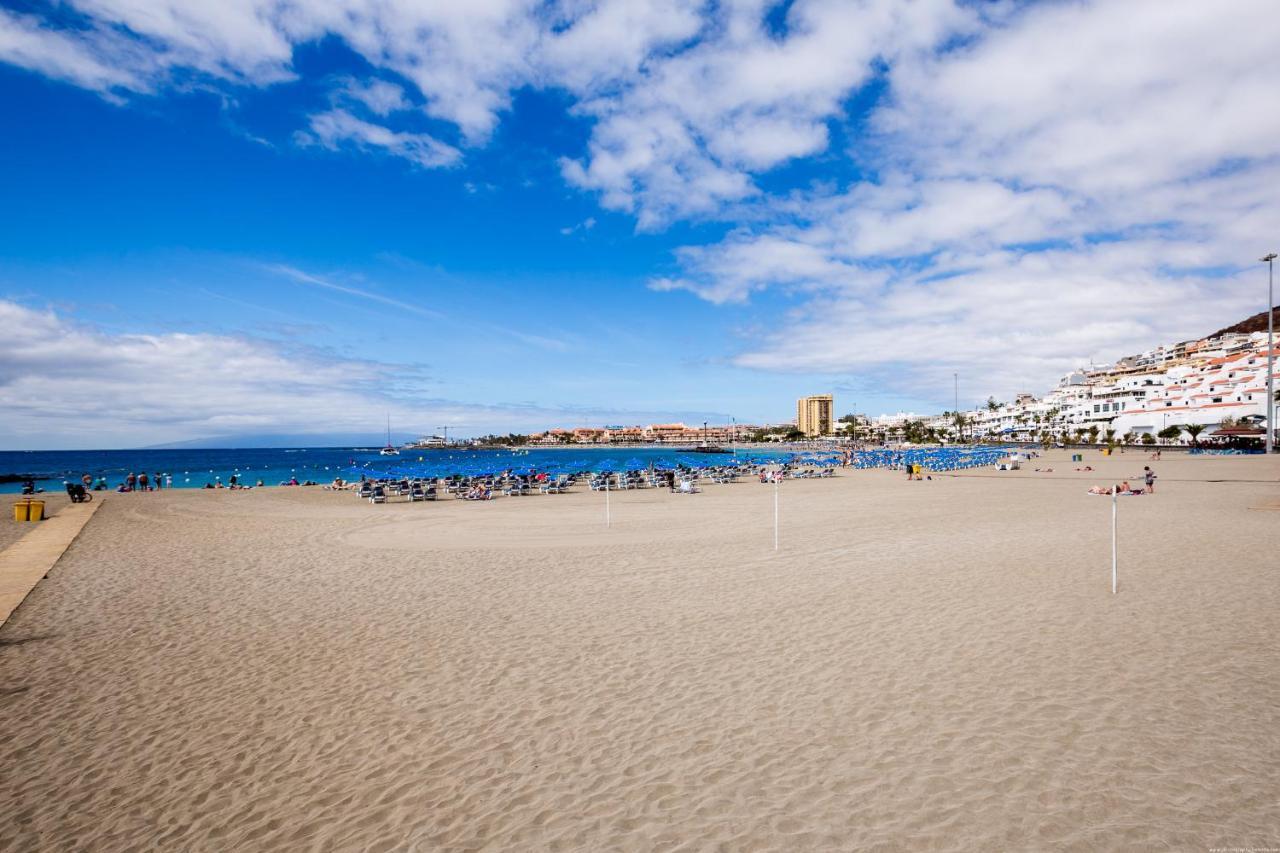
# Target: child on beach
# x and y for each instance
(1150, 477)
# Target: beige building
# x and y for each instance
(814, 414)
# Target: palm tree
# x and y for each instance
(1093, 434)
(1194, 431)
(1110, 436)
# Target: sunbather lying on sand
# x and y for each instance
(1123, 489)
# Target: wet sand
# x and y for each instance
(936, 666)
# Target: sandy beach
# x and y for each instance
(921, 666)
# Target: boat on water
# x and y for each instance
(390, 449)
(709, 448)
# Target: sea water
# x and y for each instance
(194, 469)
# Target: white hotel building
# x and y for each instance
(1196, 382)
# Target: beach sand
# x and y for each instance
(921, 666)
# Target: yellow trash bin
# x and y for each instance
(28, 510)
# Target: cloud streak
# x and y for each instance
(302, 277)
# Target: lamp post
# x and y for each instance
(1270, 261)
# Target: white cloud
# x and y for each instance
(690, 99)
(92, 59)
(60, 379)
(686, 135)
(337, 127)
(1068, 185)
(1103, 97)
(1010, 323)
(70, 384)
(380, 97)
(585, 225)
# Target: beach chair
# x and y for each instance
(687, 487)
(378, 496)
(366, 490)
(416, 493)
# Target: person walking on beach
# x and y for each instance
(1150, 478)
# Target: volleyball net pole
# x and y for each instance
(1115, 503)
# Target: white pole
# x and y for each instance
(776, 478)
(1115, 500)
(608, 517)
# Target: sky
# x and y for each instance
(261, 217)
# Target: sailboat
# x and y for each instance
(390, 449)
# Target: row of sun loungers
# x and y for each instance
(485, 488)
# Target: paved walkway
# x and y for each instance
(25, 562)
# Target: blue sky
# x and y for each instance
(502, 216)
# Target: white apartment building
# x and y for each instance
(1194, 382)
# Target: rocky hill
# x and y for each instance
(1256, 323)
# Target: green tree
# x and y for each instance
(914, 432)
(1093, 434)
(1194, 431)
(1148, 439)
(1170, 433)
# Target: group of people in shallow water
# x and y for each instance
(143, 482)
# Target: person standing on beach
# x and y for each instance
(1150, 478)
(142, 482)
(131, 481)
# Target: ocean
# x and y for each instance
(193, 469)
